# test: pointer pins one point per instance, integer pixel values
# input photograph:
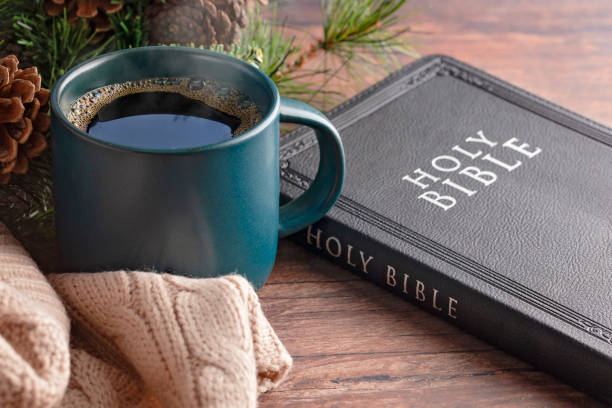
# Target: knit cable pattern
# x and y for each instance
(138, 339)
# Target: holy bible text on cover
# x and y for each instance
(486, 205)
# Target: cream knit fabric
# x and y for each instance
(139, 339)
(34, 359)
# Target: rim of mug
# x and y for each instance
(252, 132)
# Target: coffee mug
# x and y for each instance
(200, 212)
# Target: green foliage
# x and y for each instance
(244, 52)
(128, 25)
(269, 37)
(363, 37)
(359, 37)
(364, 28)
(55, 45)
(251, 54)
(10, 8)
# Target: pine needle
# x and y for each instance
(365, 32)
(128, 25)
(55, 45)
(270, 38)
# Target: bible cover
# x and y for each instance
(483, 203)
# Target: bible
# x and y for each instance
(486, 205)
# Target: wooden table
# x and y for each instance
(354, 343)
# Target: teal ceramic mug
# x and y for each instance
(199, 212)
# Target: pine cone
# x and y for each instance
(23, 117)
(95, 11)
(197, 22)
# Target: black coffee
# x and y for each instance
(164, 113)
(161, 120)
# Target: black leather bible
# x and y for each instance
(485, 204)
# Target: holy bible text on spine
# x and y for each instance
(488, 206)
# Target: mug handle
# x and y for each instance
(325, 189)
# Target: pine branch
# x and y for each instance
(248, 53)
(128, 25)
(360, 33)
(8, 9)
(55, 45)
(270, 38)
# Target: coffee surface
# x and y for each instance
(164, 113)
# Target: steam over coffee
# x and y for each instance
(165, 113)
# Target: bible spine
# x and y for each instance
(404, 277)
(477, 313)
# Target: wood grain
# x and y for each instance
(355, 344)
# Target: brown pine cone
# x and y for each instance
(23, 117)
(197, 22)
(95, 11)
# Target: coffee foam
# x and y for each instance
(226, 99)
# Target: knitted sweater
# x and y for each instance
(138, 339)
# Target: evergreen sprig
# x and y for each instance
(278, 49)
(269, 36)
(55, 45)
(10, 8)
(360, 37)
(363, 26)
(249, 53)
(128, 25)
